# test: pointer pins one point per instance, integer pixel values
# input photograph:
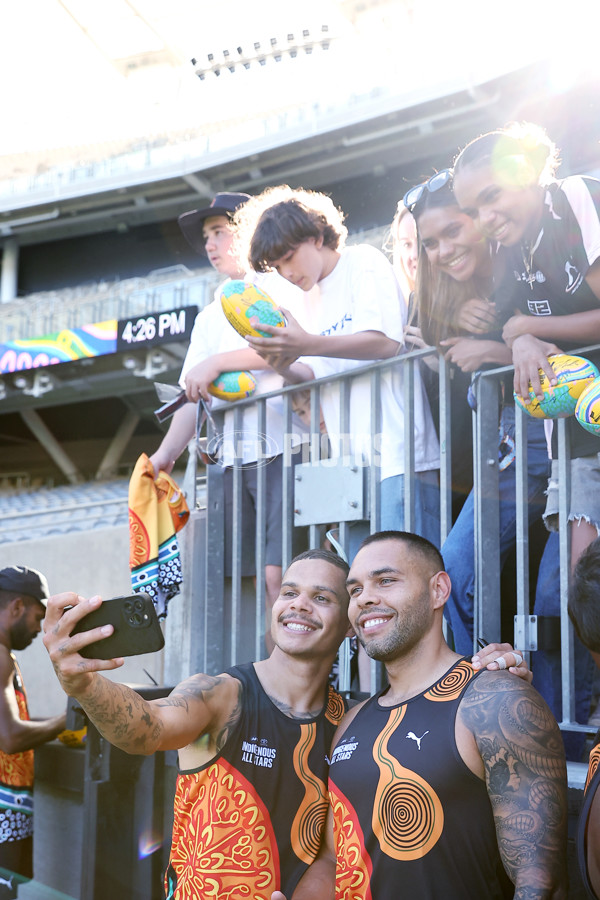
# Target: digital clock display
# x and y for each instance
(156, 328)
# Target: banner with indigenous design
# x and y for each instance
(62, 346)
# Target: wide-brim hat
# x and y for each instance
(24, 581)
(192, 222)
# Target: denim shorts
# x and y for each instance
(584, 502)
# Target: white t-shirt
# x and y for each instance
(362, 294)
(211, 334)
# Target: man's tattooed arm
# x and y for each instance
(522, 751)
(199, 705)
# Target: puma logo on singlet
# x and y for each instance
(412, 736)
(7, 883)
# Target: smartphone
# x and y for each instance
(137, 629)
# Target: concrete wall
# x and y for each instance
(95, 562)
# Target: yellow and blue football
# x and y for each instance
(587, 411)
(242, 301)
(233, 386)
(574, 374)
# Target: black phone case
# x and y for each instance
(137, 629)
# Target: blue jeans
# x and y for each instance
(546, 663)
(458, 550)
(427, 509)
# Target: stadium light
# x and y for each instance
(276, 48)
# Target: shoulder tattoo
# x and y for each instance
(525, 771)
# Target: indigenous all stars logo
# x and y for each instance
(344, 750)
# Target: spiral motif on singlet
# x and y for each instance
(592, 766)
(309, 821)
(334, 711)
(452, 684)
(407, 813)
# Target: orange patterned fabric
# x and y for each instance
(251, 820)
(223, 843)
(407, 814)
(592, 765)
(353, 865)
(16, 769)
(399, 790)
(157, 511)
(309, 821)
(453, 684)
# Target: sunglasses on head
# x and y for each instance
(433, 184)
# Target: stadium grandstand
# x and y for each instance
(90, 248)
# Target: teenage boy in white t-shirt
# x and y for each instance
(356, 316)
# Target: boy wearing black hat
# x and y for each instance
(23, 596)
(215, 347)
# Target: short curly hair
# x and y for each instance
(280, 219)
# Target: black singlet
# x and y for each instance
(410, 819)
(250, 821)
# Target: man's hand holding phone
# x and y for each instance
(79, 646)
(63, 612)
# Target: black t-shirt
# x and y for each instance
(548, 279)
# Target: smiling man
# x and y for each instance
(251, 797)
(450, 781)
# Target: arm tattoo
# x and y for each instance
(127, 720)
(202, 687)
(122, 716)
(522, 752)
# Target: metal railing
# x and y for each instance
(245, 608)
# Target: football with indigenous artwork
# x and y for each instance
(587, 411)
(574, 374)
(233, 386)
(243, 301)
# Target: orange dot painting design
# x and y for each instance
(407, 813)
(593, 765)
(139, 541)
(309, 821)
(334, 711)
(223, 844)
(353, 864)
(16, 769)
(453, 684)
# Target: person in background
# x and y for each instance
(356, 316)
(403, 245)
(547, 234)
(216, 347)
(548, 237)
(584, 613)
(454, 283)
(23, 596)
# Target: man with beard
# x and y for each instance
(23, 596)
(450, 779)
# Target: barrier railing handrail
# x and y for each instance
(485, 460)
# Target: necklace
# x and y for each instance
(528, 249)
